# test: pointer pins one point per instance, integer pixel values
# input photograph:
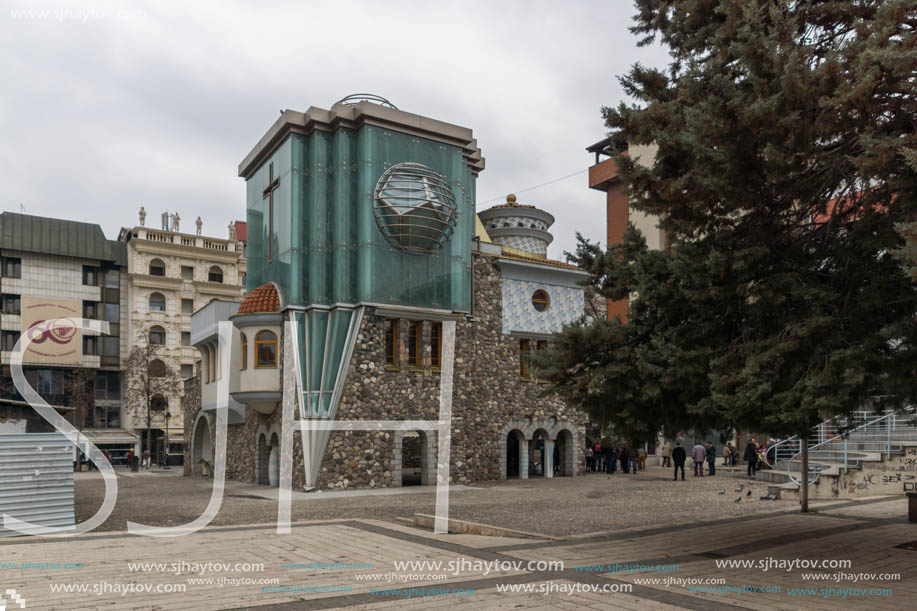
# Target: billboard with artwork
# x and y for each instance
(60, 345)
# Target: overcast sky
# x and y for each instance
(101, 115)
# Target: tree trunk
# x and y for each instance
(805, 476)
(149, 431)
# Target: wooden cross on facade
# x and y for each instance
(268, 194)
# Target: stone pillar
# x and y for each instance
(524, 458)
(912, 506)
(548, 458)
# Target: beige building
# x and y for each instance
(170, 276)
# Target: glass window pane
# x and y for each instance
(114, 417)
(110, 346)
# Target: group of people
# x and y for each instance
(700, 454)
(605, 458)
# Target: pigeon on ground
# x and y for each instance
(723, 491)
(749, 493)
(740, 488)
(738, 499)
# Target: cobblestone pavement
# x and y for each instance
(872, 534)
(554, 507)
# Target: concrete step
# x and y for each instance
(772, 477)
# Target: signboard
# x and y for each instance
(61, 345)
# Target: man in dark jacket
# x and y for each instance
(711, 457)
(679, 456)
(632, 459)
(751, 455)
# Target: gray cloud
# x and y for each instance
(103, 115)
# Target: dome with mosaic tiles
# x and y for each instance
(519, 226)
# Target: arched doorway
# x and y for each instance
(201, 449)
(537, 445)
(413, 458)
(514, 445)
(273, 469)
(264, 457)
(564, 454)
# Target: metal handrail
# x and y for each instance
(827, 432)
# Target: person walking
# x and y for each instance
(589, 458)
(622, 456)
(751, 455)
(641, 459)
(667, 454)
(146, 459)
(726, 455)
(679, 456)
(733, 454)
(711, 457)
(698, 456)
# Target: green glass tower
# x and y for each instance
(360, 205)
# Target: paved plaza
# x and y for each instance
(554, 507)
(872, 534)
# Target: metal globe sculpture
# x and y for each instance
(415, 208)
(355, 98)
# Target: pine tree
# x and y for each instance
(785, 164)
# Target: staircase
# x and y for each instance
(866, 454)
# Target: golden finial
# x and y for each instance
(511, 199)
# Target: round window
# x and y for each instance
(540, 300)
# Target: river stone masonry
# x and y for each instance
(489, 398)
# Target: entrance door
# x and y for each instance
(512, 455)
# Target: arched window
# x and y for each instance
(157, 302)
(265, 349)
(157, 268)
(157, 369)
(215, 274)
(244, 352)
(205, 361)
(157, 336)
(213, 364)
(158, 403)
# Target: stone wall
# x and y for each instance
(488, 395)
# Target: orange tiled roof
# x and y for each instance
(262, 299)
(534, 260)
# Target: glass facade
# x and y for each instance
(324, 337)
(327, 246)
